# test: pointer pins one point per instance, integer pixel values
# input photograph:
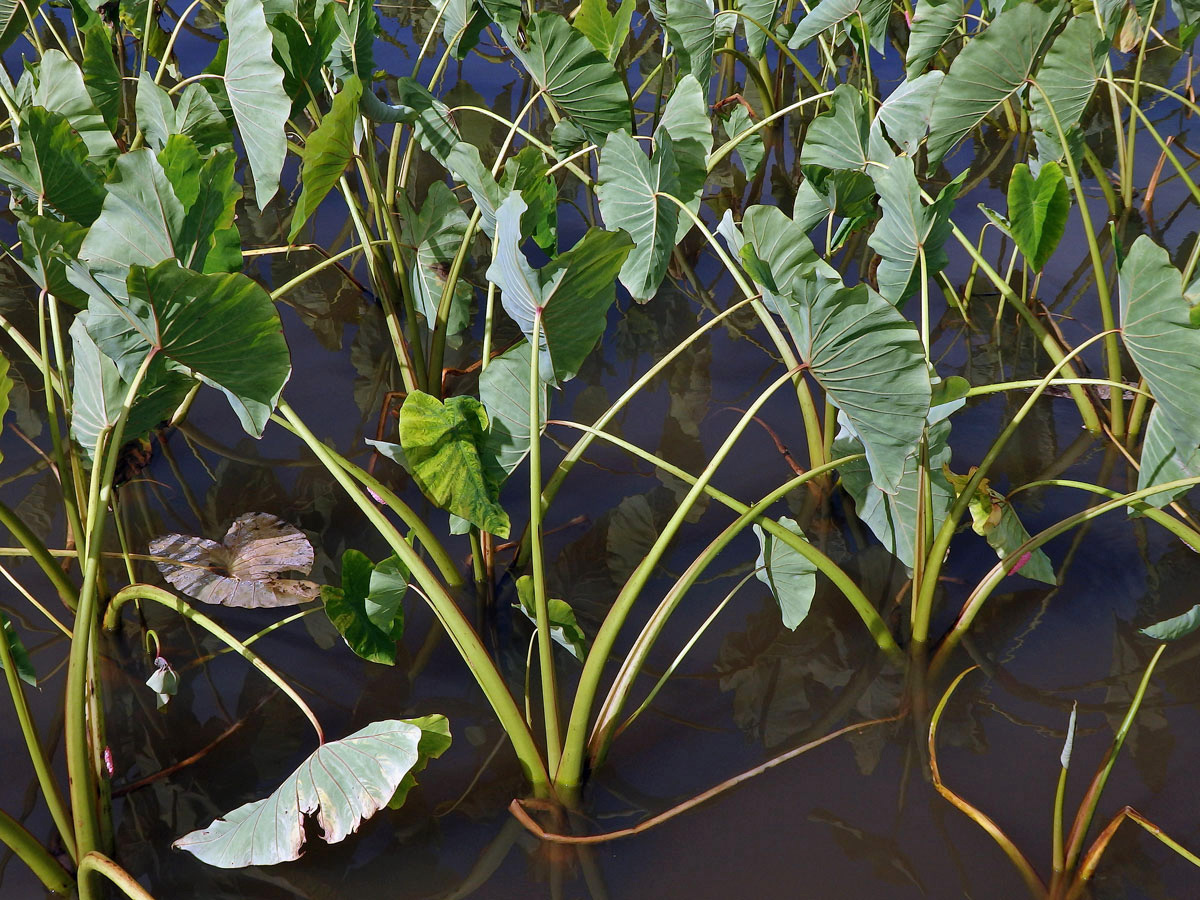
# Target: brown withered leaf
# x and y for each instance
(245, 569)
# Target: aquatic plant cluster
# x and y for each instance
(159, 208)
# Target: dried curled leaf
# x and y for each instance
(245, 569)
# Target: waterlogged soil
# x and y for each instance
(855, 817)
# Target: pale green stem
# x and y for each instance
(102, 865)
(48, 869)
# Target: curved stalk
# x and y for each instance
(48, 869)
(102, 865)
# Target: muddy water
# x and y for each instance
(856, 817)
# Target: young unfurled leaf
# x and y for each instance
(20, 655)
(790, 575)
(1037, 211)
(607, 31)
(164, 681)
(994, 517)
(245, 569)
(442, 444)
(366, 610)
(564, 629)
(1069, 744)
(340, 784)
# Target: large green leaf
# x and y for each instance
(442, 444)
(20, 656)
(781, 246)
(763, 12)
(47, 247)
(633, 193)
(574, 291)
(581, 82)
(1163, 460)
(933, 23)
(844, 138)
(607, 31)
(1037, 211)
(254, 83)
(349, 609)
(528, 173)
(432, 238)
(829, 13)
(908, 230)
(99, 392)
(209, 240)
(13, 21)
(327, 152)
(908, 110)
(870, 361)
(100, 73)
(691, 27)
(685, 120)
(196, 118)
(892, 517)
(353, 51)
(54, 167)
(991, 68)
(564, 628)
(60, 88)
(790, 575)
(504, 392)
(340, 784)
(222, 327)
(1067, 77)
(1160, 337)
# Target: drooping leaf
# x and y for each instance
(829, 13)
(631, 195)
(1066, 78)
(607, 31)
(763, 12)
(790, 575)
(54, 167)
(20, 655)
(1156, 324)
(436, 234)
(907, 111)
(933, 23)
(685, 120)
(442, 443)
(910, 236)
(60, 89)
(564, 629)
(1037, 211)
(892, 517)
(1174, 628)
(254, 84)
(1008, 535)
(1163, 460)
(223, 327)
(347, 610)
(327, 152)
(691, 26)
(504, 392)
(340, 784)
(246, 569)
(993, 66)
(164, 681)
(579, 80)
(99, 392)
(430, 117)
(574, 291)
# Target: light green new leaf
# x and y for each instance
(1067, 78)
(564, 629)
(691, 27)
(1156, 323)
(790, 575)
(209, 241)
(346, 608)
(574, 291)
(1037, 211)
(829, 13)
(181, 163)
(908, 230)
(384, 603)
(327, 152)
(892, 517)
(442, 444)
(933, 23)
(870, 361)
(254, 83)
(222, 327)
(685, 120)
(340, 784)
(579, 80)
(844, 138)
(630, 193)
(54, 167)
(907, 111)
(434, 236)
(20, 656)
(99, 392)
(60, 88)
(1174, 628)
(1163, 460)
(607, 31)
(991, 67)
(504, 392)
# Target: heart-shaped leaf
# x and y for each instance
(54, 167)
(607, 31)
(790, 575)
(340, 784)
(366, 609)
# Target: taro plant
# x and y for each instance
(136, 178)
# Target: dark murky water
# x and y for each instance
(854, 818)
